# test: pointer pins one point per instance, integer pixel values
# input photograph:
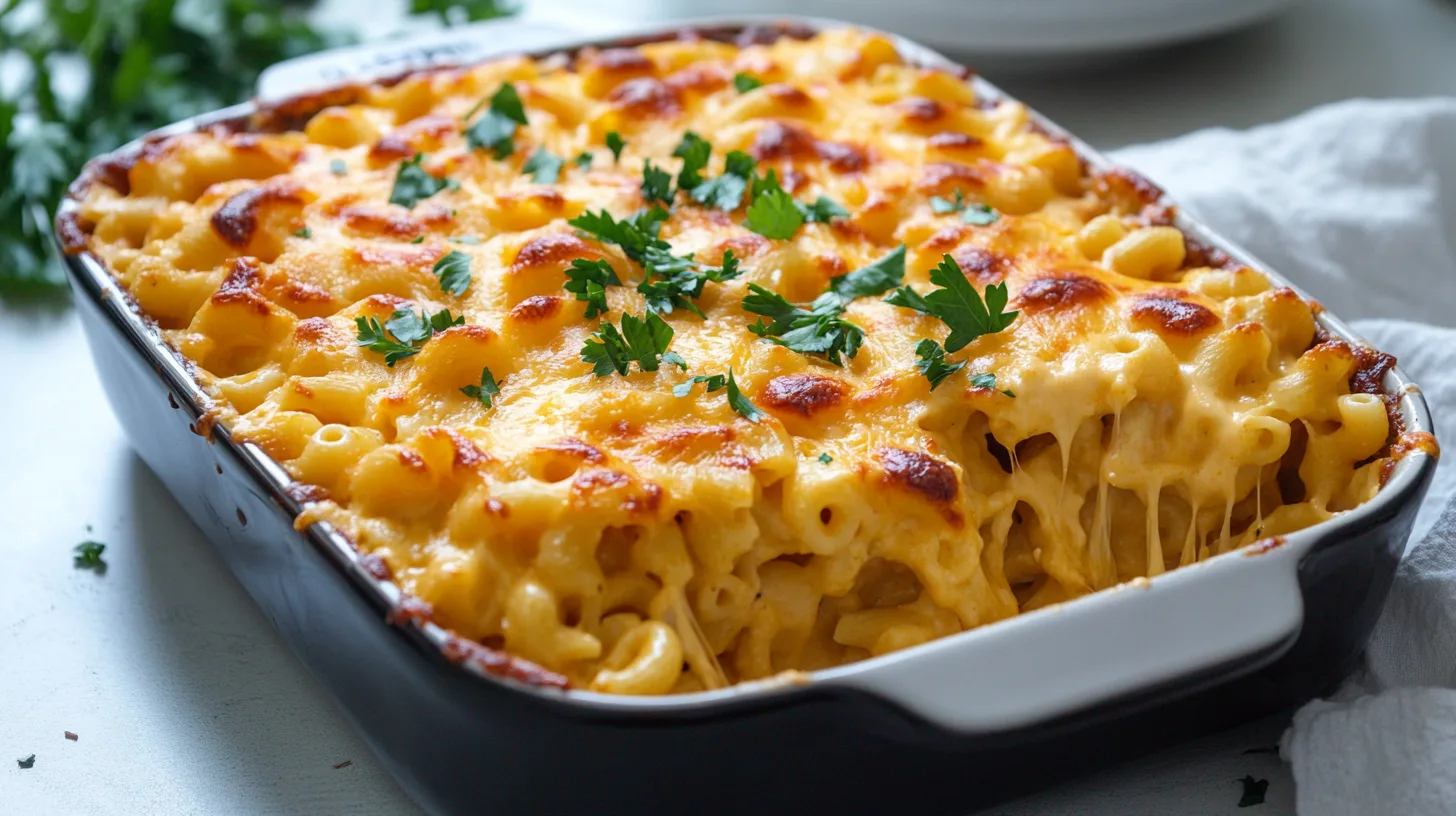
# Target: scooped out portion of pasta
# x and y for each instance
(669, 367)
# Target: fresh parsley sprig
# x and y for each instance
(680, 288)
(716, 382)
(88, 555)
(588, 280)
(820, 329)
(453, 270)
(544, 166)
(412, 184)
(725, 192)
(496, 128)
(403, 333)
(643, 341)
(974, 213)
(615, 144)
(988, 381)
(773, 213)
(694, 150)
(483, 392)
(743, 83)
(875, 279)
(958, 305)
(656, 184)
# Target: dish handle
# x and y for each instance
(1200, 624)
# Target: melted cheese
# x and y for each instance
(1169, 405)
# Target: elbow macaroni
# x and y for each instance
(1169, 405)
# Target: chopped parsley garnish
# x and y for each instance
(412, 184)
(27, 763)
(544, 166)
(726, 191)
(943, 206)
(741, 404)
(976, 214)
(583, 160)
(453, 270)
(744, 83)
(876, 279)
(588, 280)
(987, 381)
(88, 555)
(958, 305)
(714, 382)
(774, 214)
(656, 184)
(615, 144)
(496, 128)
(932, 362)
(338, 167)
(825, 458)
(694, 150)
(418, 239)
(680, 287)
(822, 210)
(980, 215)
(634, 235)
(641, 340)
(409, 332)
(305, 232)
(1254, 790)
(485, 390)
(820, 329)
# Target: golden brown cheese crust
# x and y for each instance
(1155, 403)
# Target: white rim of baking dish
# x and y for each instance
(1230, 614)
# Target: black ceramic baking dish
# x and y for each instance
(946, 727)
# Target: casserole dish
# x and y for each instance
(1066, 687)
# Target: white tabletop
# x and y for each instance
(184, 698)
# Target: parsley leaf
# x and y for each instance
(634, 235)
(615, 144)
(877, 278)
(544, 166)
(980, 215)
(680, 286)
(656, 184)
(338, 168)
(410, 331)
(588, 280)
(932, 362)
(774, 214)
(714, 381)
(943, 206)
(644, 341)
(583, 160)
(820, 329)
(988, 381)
(27, 763)
(1254, 790)
(303, 233)
(88, 555)
(726, 191)
(821, 211)
(485, 390)
(744, 83)
(740, 403)
(694, 151)
(825, 458)
(958, 305)
(412, 183)
(453, 270)
(496, 128)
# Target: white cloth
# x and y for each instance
(1356, 204)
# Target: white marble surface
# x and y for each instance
(186, 701)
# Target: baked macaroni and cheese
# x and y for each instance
(674, 366)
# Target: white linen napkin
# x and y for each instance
(1356, 203)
